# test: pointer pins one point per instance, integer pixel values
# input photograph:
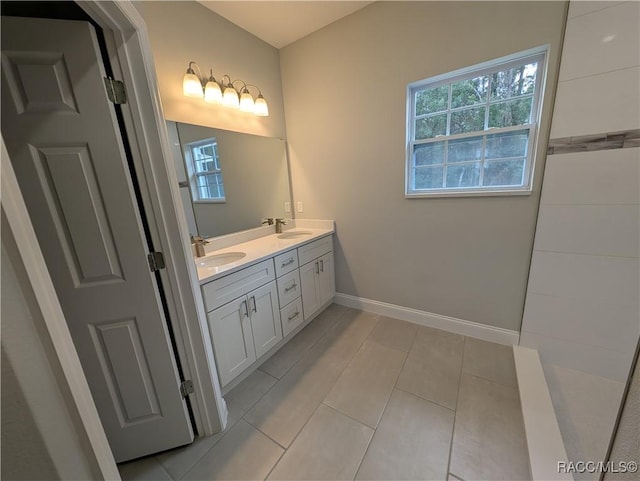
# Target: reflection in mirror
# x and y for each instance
(229, 181)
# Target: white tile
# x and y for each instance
(601, 177)
(601, 103)
(331, 446)
(610, 230)
(490, 361)
(602, 41)
(586, 322)
(612, 364)
(145, 469)
(586, 407)
(609, 280)
(582, 7)
(177, 462)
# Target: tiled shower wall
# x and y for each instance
(581, 309)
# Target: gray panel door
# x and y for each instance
(63, 138)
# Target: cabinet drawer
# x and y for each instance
(286, 262)
(288, 287)
(315, 249)
(227, 288)
(291, 316)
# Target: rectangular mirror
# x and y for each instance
(230, 181)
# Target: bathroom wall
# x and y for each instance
(182, 31)
(582, 306)
(345, 103)
(582, 301)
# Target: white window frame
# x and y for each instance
(194, 174)
(539, 54)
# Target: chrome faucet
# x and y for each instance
(199, 243)
(268, 221)
(279, 224)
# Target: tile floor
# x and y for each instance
(360, 396)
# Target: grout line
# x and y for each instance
(631, 67)
(455, 411)
(261, 431)
(614, 4)
(614, 256)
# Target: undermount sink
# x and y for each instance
(219, 260)
(295, 234)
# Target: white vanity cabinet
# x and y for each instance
(249, 325)
(316, 274)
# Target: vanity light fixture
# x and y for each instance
(224, 92)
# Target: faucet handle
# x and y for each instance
(268, 221)
(281, 221)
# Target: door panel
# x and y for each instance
(265, 317)
(308, 283)
(64, 141)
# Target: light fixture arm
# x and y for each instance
(190, 70)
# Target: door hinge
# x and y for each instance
(186, 388)
(156, 261)
(115, 91)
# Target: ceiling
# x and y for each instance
(280, 23)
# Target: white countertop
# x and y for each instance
(256, 250)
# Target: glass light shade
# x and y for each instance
(246, 102)
(230, 98)
(260, 108)
(191, 86)
(212, 93)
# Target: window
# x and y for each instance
(205, 171)
(472, 131)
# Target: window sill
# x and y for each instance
(469, 193)
(210, 201)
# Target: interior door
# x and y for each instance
(64, 141)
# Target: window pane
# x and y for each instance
(509, 144)
(514, 82)
(465, 149)
(506, 172)
(426, 154)
(469, 120)
(464, 175)
(469, 92)
(431, 126)
(432, 100)
(428, 177)
(509, 113)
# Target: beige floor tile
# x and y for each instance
(180, 460)
(330, 447)
(394, 333)
(451, 477)
(280, 363)
(243, 453)
(284, 410)
(432, 370)
(145, 469)
(490, 361)
(343, 340)
(489, 440)
(411, 442)
(239, 400)
(363, 389)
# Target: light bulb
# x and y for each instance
(260, 108)
(230, 97)
(212, 92)
(246, 101)
(191, 86)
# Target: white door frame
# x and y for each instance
(132, 62)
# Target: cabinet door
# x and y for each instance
(230, 330)
(308, 282)
(326, 278)
(265, 317)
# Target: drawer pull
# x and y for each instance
(293, 316)
(317, 268)
(288, 263)
(246, 308)
(255, 308)
(293, 286)
(321, 265)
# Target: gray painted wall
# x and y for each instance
(345, 102)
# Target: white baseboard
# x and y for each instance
(544, 440)
(429, 319)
